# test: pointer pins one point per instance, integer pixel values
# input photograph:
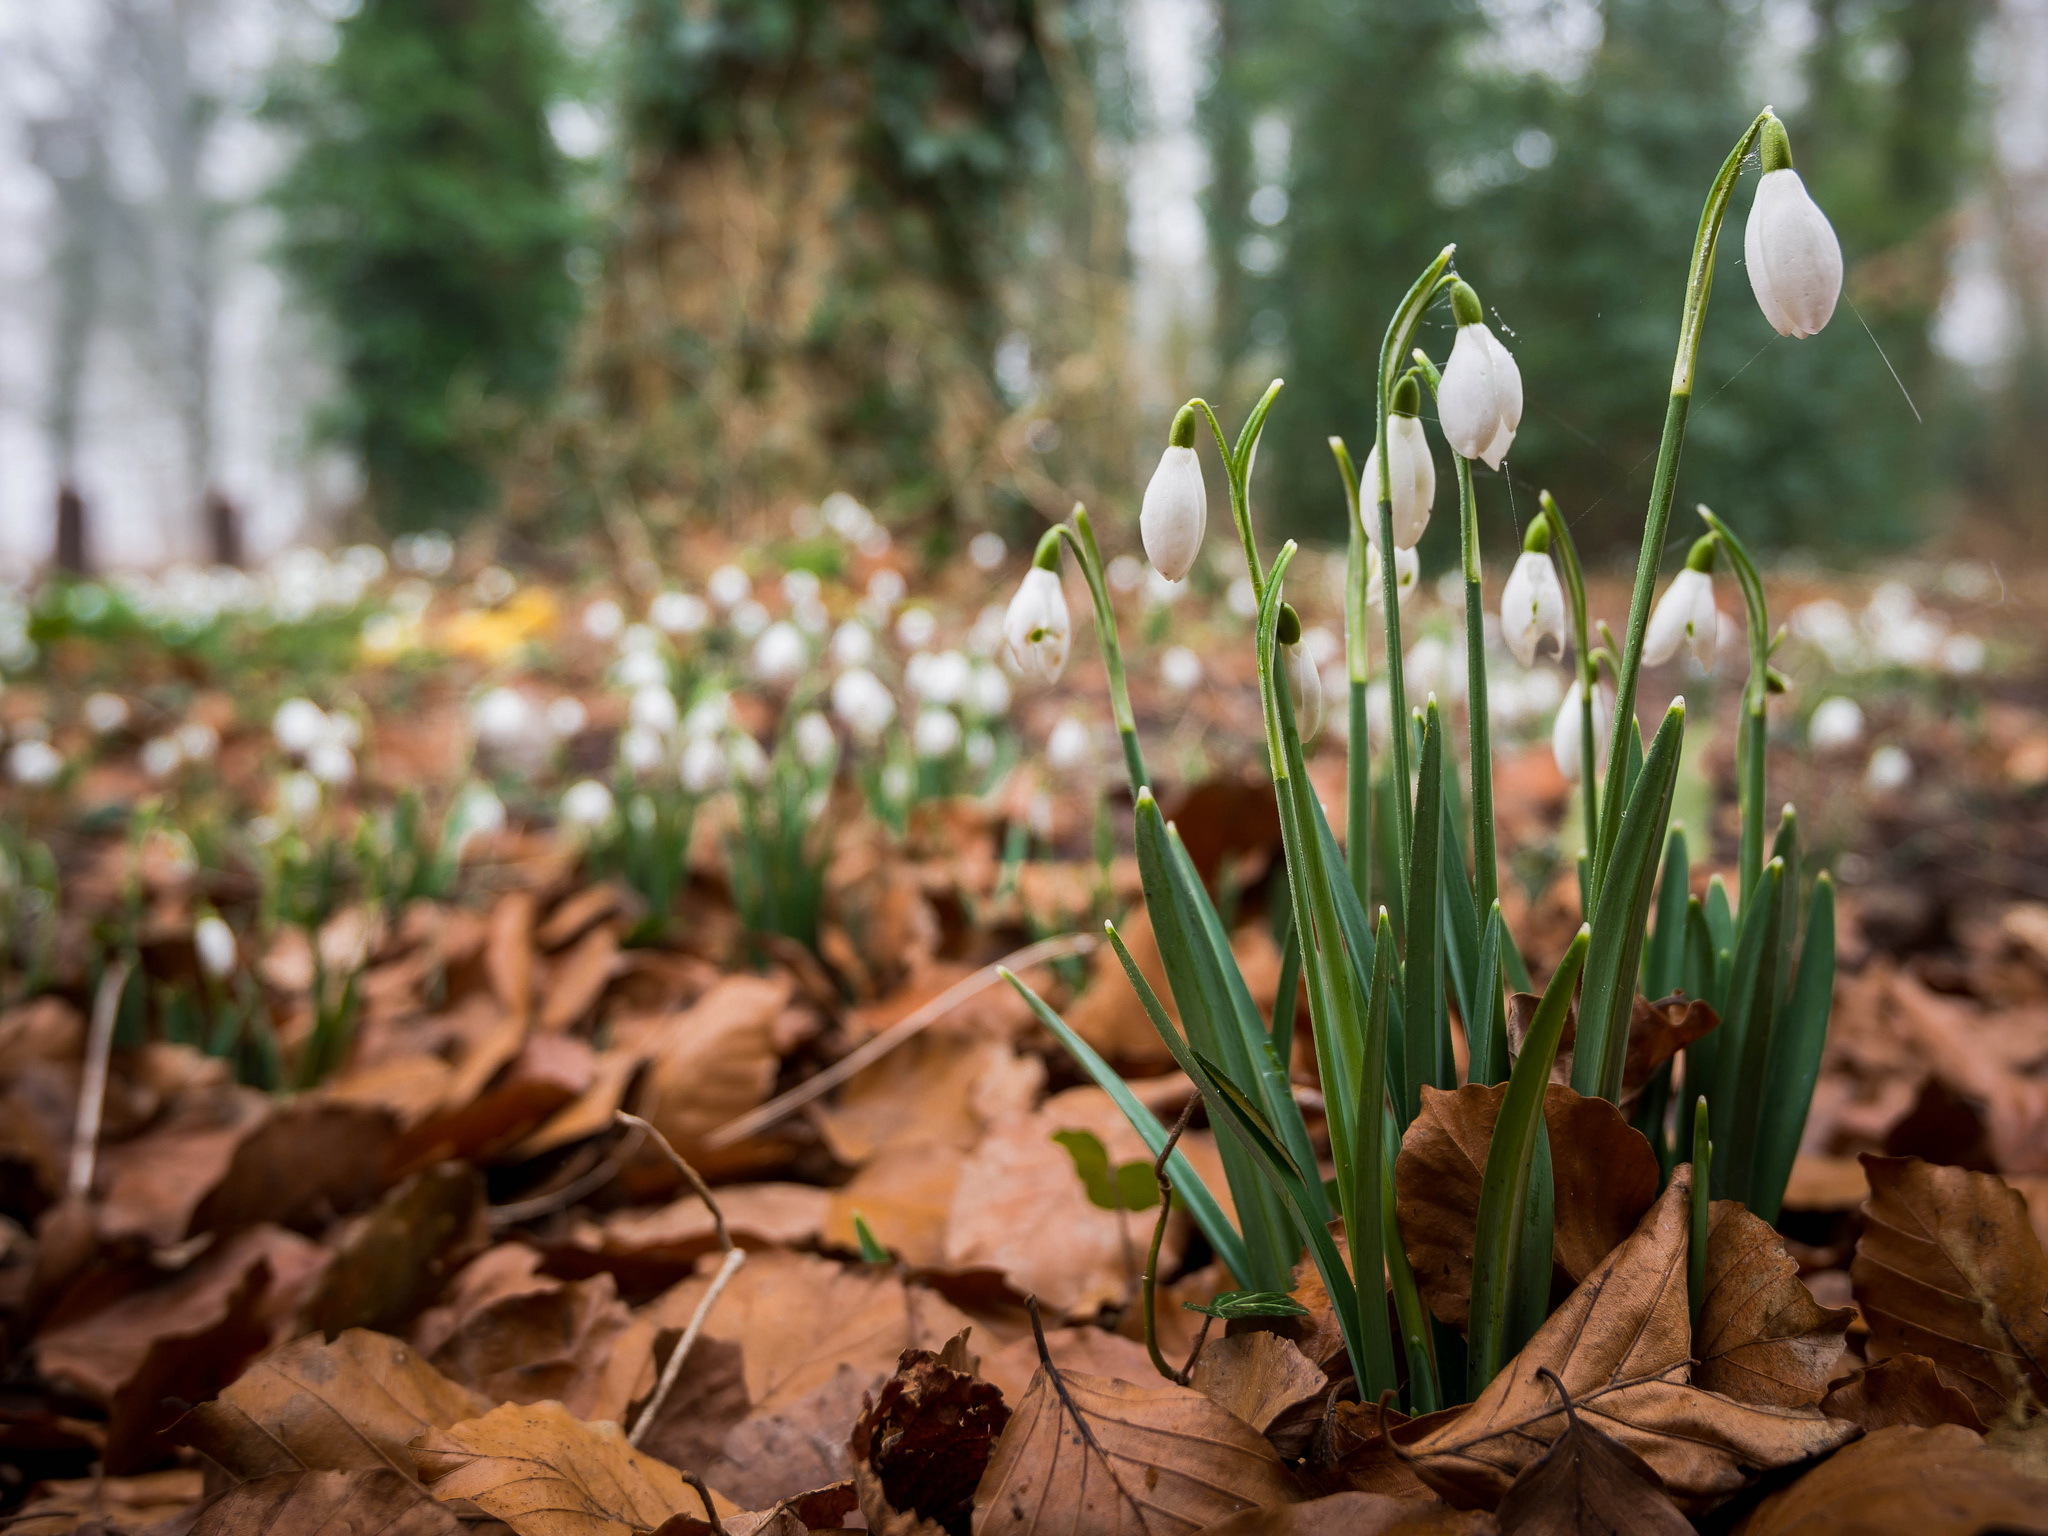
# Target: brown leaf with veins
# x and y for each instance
(771, 1455)
(552, 1341)
(1620, 1346)
(1589, 1484)
(1761, 1336)
(1358, 1514)
(546, 1473)
(1657, 1031)
(920, 1447)
(1096, 1351)
(378, 1502)
(352, 1405)
(61, 1506)
(715, 1061)
(709, 1398)
(508, 954)
(578, 979)
(1258, 1376)
(1948, 1267)
(1604, 1177)
(1089, 1456)
(1906, 1481)
(1904, 1389)
(391, 1262)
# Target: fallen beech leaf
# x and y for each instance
(500, 1271)
(905, 1195)
(1369, 1447)
(1948, 1267)
(1761, 1336)
(1357, 1514)
(1657, 1031)
(152, 1185)
(579, 979)
(770, 1456)
(546, 1343)
(310, 1158)
(1095, 1351)
(1108, 1014)
(920, 1448)
(62, 1506)
(1589, 1484)
(394, 1260)
(817, 1509)
(942, 1088)
(546, 1473)
(1620, 1345)
(549, 1072)
(508, 953)
(713, 1062)
(327, 1504)
(1903, 1389)
(573, 914)
(708, 1399)
(676, 1235)
(590, 1113)
(348, 1406)
(1089, 1456)
(1906, 1481)
(1604, 1176)
(1258, 1376)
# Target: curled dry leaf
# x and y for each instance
(548, 1072)
(1761, 1336)
(1096, 1351)
(391, 1262)
(62, 1506)
(1907, 1481)
(327, 1504)
(1089, 1456)
(1603, 1171)
(1948, 1267)
(708, 1399)
(715, 1061)
(920, 1448)
(546, 1473)
(1260, 1377)
(551, 1342)
(771, 1455)
(1904, 1389)
(1358, 1514)
(579, 979)
(1620, 1346)
(1589, 1484)
(355, 1404)
(1657, 1031)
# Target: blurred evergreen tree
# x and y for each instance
(1573, 197)
(428, 213)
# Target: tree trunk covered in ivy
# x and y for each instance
(806, 293)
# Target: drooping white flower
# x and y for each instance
(939, 677)
(729, 586)
(197, 741)
(780, 653)
(640, 669)
(506, 719)
(331, 763)
(1794, 259)
(1889, 769)
(33, 763)
(1411, 474)
(988, 693)
(1180, 668)
(1684, 615)
(703, 767)
(653, 709)
(587, 804)
(1479, 402)
(1175, 513)
(864, 702)
(106, 713)
(1407, 573)
(679, 613)
(815, 743)
(603, 619)
(566, 715)
(743, 754)
(1037, 629)
(1069, 746)
(1836, 722)
(1532, 607)
(299, 726)
(298, 796)
(161, 756)
(853, 644)
(640, 750)
(1564, 733)
(1304, 688)
(214, 942)
(937, 733)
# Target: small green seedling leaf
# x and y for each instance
(1128, 1187)
(1233, 1304)
(871, 1251)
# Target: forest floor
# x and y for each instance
(378, 1210)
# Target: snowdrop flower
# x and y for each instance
(679, 613)
(1889, 769)
(1836, 722)
(743, 755)
(1407, 572)
(1962, 655)
(298, 796)
(214, 942)
(1175, 513)
(1411, 472)
(587, 804)
(703, 767)
(1068, 747)
(860, 699)
(1532, 605)
(106, 713)
(1479, 402)
(161, 756)
(1180, 669)
(653, 709)
(749, 619)
(1037, 628)
(1564, 734)
(981, 751)
(915, 627)
(815, 743)
(506, 719)
(1304, 688)
(494, 585)
(331, 763)
(729, 586)
(1126, 573)
(566, 716)
(1685, 614)
(780, 653)
(937, 733)
(853, 644)
(477, 812)
(1243, 598)
(34, 763)
(941, 678)
(640, 669)
(299, 726)
(197, 741)
(987, 550)
(603, 620)
(886, 587)
(988, 693)
(640, 750)
(1794, 260)
(708, 716)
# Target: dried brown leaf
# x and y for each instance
(714, 1062)
(370, 1502)
(1095, 1351)
(769, 1456)
(553, 1341)
(579, 978)
(392, 1261)
(1906, 1481)
(1903, 1389)
(1620, 1345)
(920, 1448)
(1761, 1336)
(1358, 1514)
(508, 954)
(1589, 1484)
(352, 1405)
(1089, 1456)
(1604, 1177)
(1258, 1376)
(1948, 1267)
(548, 1072)
(61, 1506)
(708, 1399)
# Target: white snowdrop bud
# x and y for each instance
(1532, 606)
(1175, 513)
(653, 709)
(587, 804)
(937, 733)
(1037, 629)
(864, 702)
(214, 942)
(1564, 733)
(853, 644)
(505, 718)
(1407, 573)
(34, 763)
(1305, 689)
(161, 756)
(1411, 473)
(603, 620)
(679, 613)
(299, 726)
(1837, 722)
(1479, 402)
(815, 743)
(1890, 768)
(1069, 746)
(703, 767)
(780, 653)
(331, 763)
(1685, 615)
(729, 586)
(106, 713)
(1794, 259)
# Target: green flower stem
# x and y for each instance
(1358, 658)
(1702, 1211)
(1237, 467)
(1586, 661)
(1698, 285)
(1485, 870)
(1081, 535)
(1751, 747)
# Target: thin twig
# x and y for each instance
(1148, 1288)
(919, 1019)
(710, 1509)
(734, 1258)
(514, 1212)
(92, 1086)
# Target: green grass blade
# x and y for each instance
(1427, 1052)
(1795, 1056)
(1486, 1035)
(1752, 1013)
(1664, 956)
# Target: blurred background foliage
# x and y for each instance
(624, 266)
